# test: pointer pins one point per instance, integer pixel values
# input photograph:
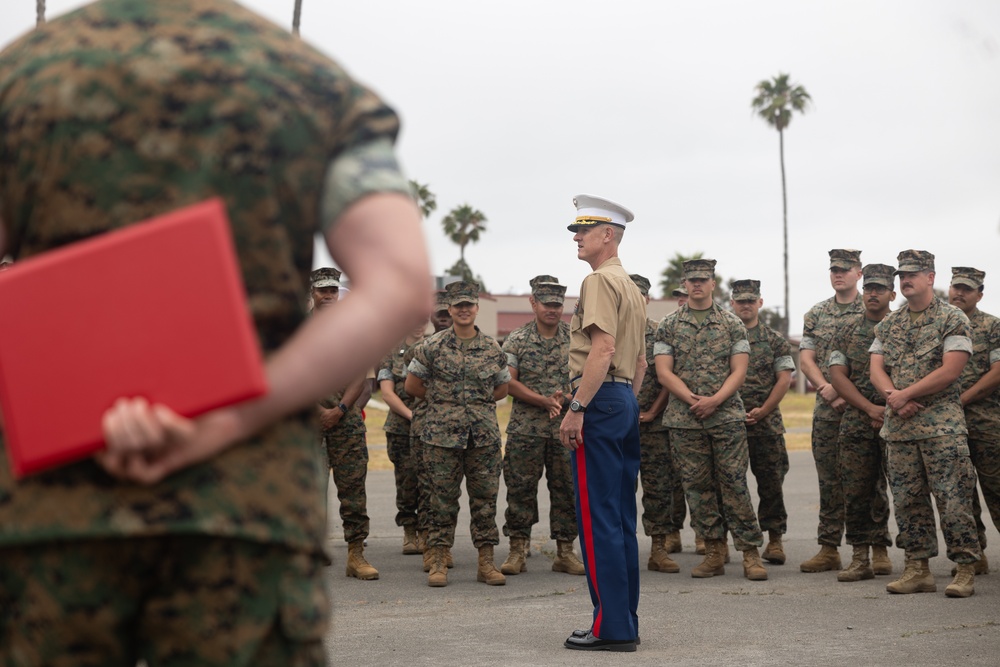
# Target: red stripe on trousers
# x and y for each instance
(588, 529)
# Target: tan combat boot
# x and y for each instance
(982, 566)
(827, 559)
(357, 566)
(659, 558)
(515, 558)
(753, 569)
(410, 541)
(962, 586)
(714, 563)
(699, 545)
(674, 542)
(725, 550)
(880, 559)
(438, 576)
(422, 540)
(916, 578)
(449, 562)
(774, 552)
(860, 567)
(566, 560)
(488, 572)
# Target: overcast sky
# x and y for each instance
(516, 107)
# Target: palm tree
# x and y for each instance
(425, 198)
(463, 225)
(775, 102)
(39, 12)
(296, 17)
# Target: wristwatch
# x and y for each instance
(343, 408)
(576, 406)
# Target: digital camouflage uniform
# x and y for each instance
(818, 332)
(712, 454)
(929, 452)
(398, 439)
(347, 456)
(982, 418)
(663, 506)
(109, 115)
(862, 451)
(460, 432)
(770, 354)
(417, 443)
(533, 439)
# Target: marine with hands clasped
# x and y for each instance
(657, 472)
(980, 396)
(818, 331)
(862, 451)
(461, 373)
(769, 375)
(702, 355)
(607, 362)
(539, 383)
(917, 358)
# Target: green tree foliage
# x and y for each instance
(426, 199)
(672, 277)
(462, 269)
(776, 100)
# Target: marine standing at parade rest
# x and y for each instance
(769, 375)
(343, 433)
(461, 373)
(198, 541)
(391, 378)
(607, 362)
(862, 451)
(980, 396)
(702, 354)
(539, 382)
(818, 331)
(917, 357)
(657, 473)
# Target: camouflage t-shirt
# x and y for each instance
(818, 331)
(850, 348)
(910, 352)
(124, 110)
(983, 416)
(460, 380)
(393, 367)
(701, 359)
(651, 386)
(542, 367)
(770, 354)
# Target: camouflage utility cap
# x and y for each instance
(842, 258)
(966, 275)
(911, 261)
(546, 289)
(699, 268)
(679, 291)
(462, 292)
(440, 301)
(746, 290)
(878, 274)
(642, 283)
(325, 277)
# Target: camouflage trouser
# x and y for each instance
(445, 468)
(986, 459)
(423, 491)
(173, 600)
(347, 454)
(405, 468)
(941, 465)
(769, 465)
(663, 506)
(713, 464)
(523, 461)
(863, 478)
(826, 454)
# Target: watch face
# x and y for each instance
(575, 406)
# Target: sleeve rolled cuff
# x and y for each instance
(958, 344)
(385, 374)
(784, 363)
(807, 343)
(740, 347)
(994, 356)
(503, 377)
(419, 370)
(876, 347)
(358, 171)
(838, 358)
(511, 360)
(663, 348)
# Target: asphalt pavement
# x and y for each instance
(793, 618)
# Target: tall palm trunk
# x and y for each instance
(297, 17)
(39, 12)
(784, 208)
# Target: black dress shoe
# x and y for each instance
(584, 633)
(591, 643)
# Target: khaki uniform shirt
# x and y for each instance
(821, 324)
(983, 416)
(770, 354)
(651, 386)
(610, 301)
(541, 367)
(701, 355)
(460, 382)
(910, 352)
